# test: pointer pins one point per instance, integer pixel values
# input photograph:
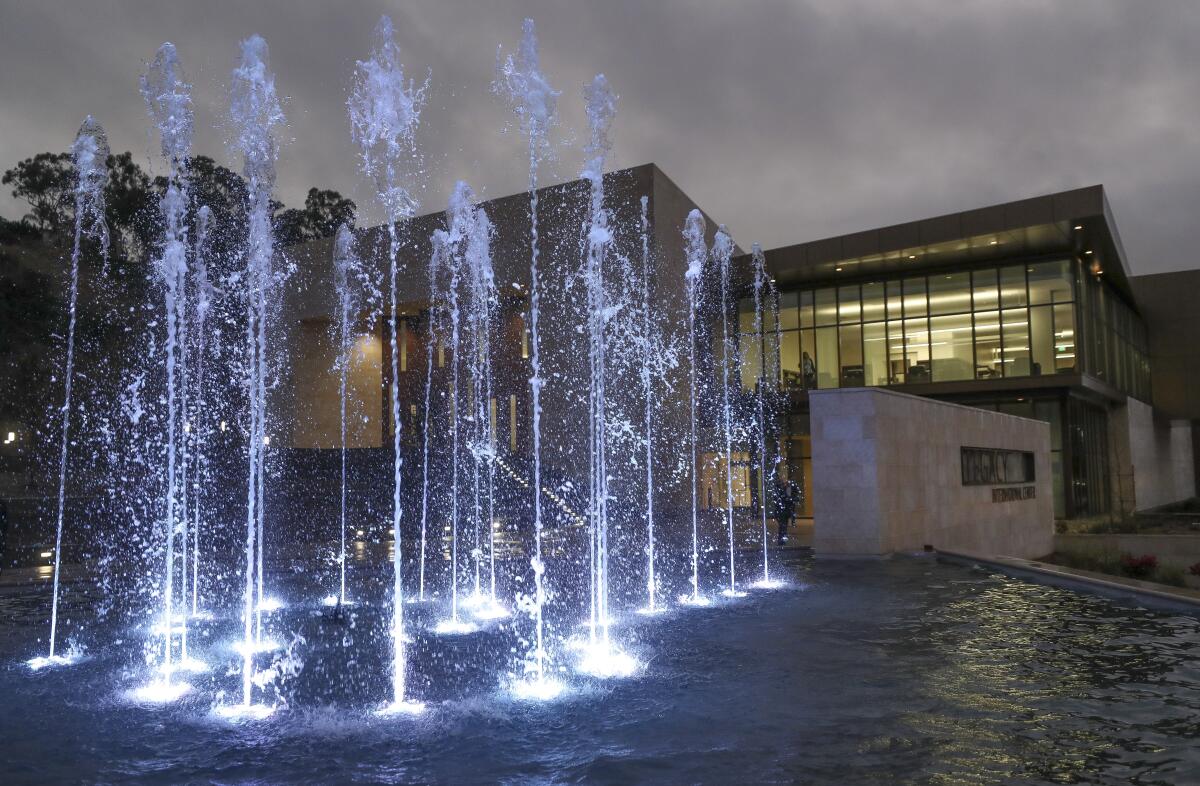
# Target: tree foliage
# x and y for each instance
(324, 211)
(30, 299)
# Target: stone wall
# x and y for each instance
(887, 477)
(1151, 458)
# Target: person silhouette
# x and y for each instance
(809, 370)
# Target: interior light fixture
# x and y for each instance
(1078, 227)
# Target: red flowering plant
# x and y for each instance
(1194, 569)
(1138, 567)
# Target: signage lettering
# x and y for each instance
(993, 467)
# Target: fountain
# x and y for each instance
(168, 99)
(761, 283)
(384, 110)
(649, 354)
(696, 253)
(90, 155)
(480, 284)
(722, 252)
(601, 657)
(348, 279)
(449, 252)
(520, 79)
(255, 113)
(201, 424)
(625, 338)
(431, 339)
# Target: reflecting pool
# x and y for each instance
(899, 671)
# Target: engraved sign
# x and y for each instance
(994, 467)
(1011, 494)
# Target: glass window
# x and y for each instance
(915, 304)
(983, 283)
(808, 359)
(789, 317)
(404, 345)
(1014, 329)
(746, 315)
(1041, 340)
(950, 293)
(987, 345)
(873, 302)
(1050, 282)
(1064, 339)
(916, 339)
(806, 309)
(1051, 412)
(771, 357)
(875, 353)
(827, 357)
(950, 347)
(897, 367)
(789, 358)
(851, 355)
(751, 361)
(826, 301)
(848, 306)
(895, 303)
(1012, 286)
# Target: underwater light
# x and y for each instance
(256, 647)
(238, 712)
(646, 611)
(543, 689)
(454, 628)
(401, 708)
(159, 692)
(48, 661)
(605, 661)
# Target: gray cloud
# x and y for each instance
(790, 121)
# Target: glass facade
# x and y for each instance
(1115, 339)
(1007, 321)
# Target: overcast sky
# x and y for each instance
(789, 121)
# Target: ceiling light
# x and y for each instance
(837, 270)
(1088, 252)
(1078, 227)
(912, 256)
(994, 242)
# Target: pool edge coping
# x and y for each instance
(1074, 578)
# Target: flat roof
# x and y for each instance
(1071, 222)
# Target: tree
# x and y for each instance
(45, 183)
(130, 207)
(324, 211)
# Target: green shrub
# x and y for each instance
(1170, 575)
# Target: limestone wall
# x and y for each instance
(1153, 455)
(887, 477)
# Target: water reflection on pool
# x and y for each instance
(902, 671)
